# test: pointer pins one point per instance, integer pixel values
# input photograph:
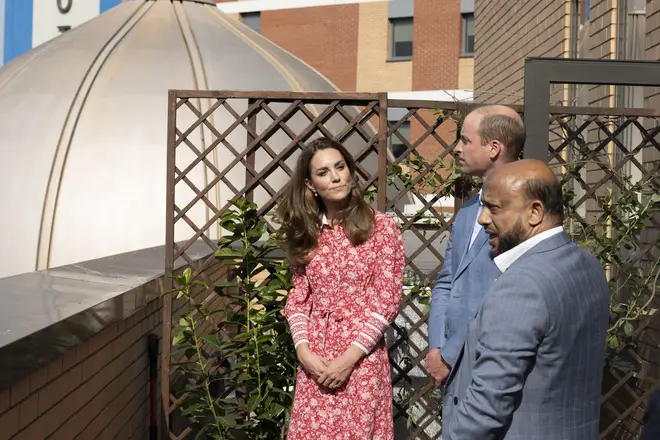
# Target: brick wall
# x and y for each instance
(466, 73)
(98, 390)
(652, 93)
(603, 45)
(436, 44)
(506, 31)
(374, 72)
(436, 51)
(324, 37)
(653, 46)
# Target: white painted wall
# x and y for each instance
(46, 17)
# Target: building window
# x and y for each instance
(401, 46)
(468, 35)
(397, 147)
(252, 20)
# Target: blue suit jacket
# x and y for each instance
(464, 279)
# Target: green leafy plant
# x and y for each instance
(626, 208)
(240, 383)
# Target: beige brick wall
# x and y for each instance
(506, 31)
(466, 73)
(603, 45)
(374, 72)
(652, 93)
(98, 390)
(653, 46)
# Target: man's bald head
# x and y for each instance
(521, 199)
(536, 181)
(498, 109)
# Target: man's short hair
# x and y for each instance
(549, 193)
(510, 131)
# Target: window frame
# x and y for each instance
(464, 35)
(392, 56)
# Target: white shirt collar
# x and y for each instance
(325, 222)
(506, 259)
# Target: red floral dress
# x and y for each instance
(347, 295)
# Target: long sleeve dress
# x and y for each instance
(347, 295)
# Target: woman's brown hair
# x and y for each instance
(299, 211)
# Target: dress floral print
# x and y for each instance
(347, 295)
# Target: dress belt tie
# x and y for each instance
(337, 316)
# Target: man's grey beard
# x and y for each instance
(508, 240)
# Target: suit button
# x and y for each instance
(455, 400)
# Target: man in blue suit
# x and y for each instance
(491, 136)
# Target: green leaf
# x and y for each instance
(628, 328)
(201, 283)
(619, 308)
(612, 342)
(202, 432)
(213, 340)
(190, 409)
(228, 253)
(226, 422)
(253, 401)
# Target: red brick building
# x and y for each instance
(421, 49)
(371, 45)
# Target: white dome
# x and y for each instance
(84, 125)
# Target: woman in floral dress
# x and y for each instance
(347, 262)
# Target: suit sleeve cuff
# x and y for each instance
(449, 355)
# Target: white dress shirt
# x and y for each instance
(506, 259)
(477, 227)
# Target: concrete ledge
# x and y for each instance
(44, 314)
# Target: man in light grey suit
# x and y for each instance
(533, 358)
(491, 136)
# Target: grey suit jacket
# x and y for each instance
(533, 358)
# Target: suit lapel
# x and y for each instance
(479, 242)
(470, 252)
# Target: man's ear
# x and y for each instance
(535, 213)
(497, 150)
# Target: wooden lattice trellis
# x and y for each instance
(223, 146)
